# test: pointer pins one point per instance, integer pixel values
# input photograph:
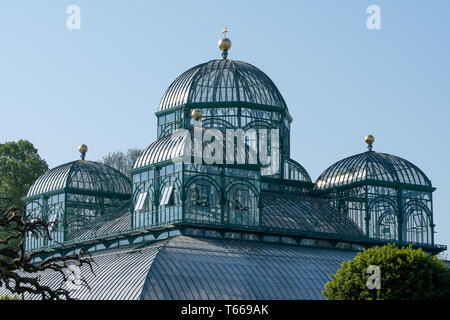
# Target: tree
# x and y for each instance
(405, 273)
(122, 161)
(18, 273)
(20, 166)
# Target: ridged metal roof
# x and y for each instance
(167, 148)
(222, 81)
(82, 175)
(203, 269)
(118, 275)
(174, 146)
(303, 213)
(197, 268)
(372, 166)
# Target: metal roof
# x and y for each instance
(82, 175)
(174, 146)
(222, 81)
(197, 268)
(304, 214)
(118, 275)
(167, 148)
(203, 269)
(372, 167)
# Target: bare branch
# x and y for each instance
(18, 273)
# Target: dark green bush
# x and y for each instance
(406, 274)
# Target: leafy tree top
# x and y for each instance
(20, 166)
(405, 274)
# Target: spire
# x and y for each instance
(225, 43)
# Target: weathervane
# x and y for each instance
(225, 43)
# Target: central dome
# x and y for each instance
(222, 81)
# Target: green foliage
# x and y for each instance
(9, 298)
(406, 274)
(20, 166)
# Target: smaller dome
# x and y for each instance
(82, 175)
(295, 171)
(373, 167)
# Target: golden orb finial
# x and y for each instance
(225, 43)
(83, 149)
(370, 139)
(196, 114)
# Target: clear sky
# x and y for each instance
(101, 85)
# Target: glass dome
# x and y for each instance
(222, 81)
(82, 175)
(167, 148)
(372, 167)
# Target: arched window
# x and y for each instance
(417, 217)
(55, 216)
(387, 227)
(242, 204)
(383, 219)
(203, 201)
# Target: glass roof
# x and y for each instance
(116, 221)
(222, 81)
(167, 148)
(174, 146)
(303, 213)
(82, 175)
(295, 171)
(372, 166)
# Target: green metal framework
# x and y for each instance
(73, 195)
(222, 81)
(367, 199)
(387, 196)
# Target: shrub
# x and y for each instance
(405, 274)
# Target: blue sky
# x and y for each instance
(101, 85)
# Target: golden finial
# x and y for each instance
(196, 114)
(83, 149)
(370, 139)
(225, 43)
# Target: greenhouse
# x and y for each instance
(186, 227)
